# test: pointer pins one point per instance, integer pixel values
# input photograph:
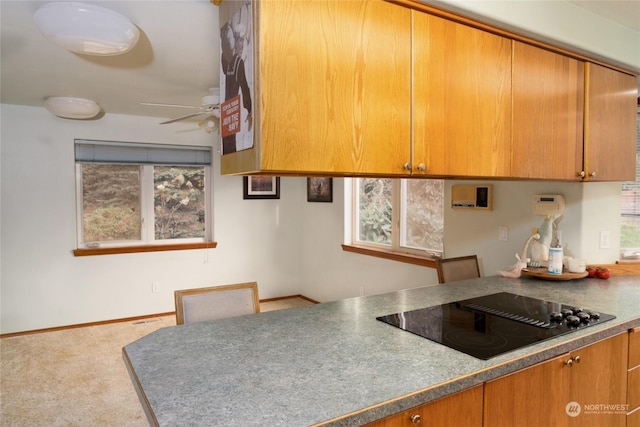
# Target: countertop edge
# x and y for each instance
(142, 397)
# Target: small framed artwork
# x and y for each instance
(320, 190)
(261, 187)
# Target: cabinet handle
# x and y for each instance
(407, 166)
(572, 360)
(415, 419)
(582, 174)
(422, 167)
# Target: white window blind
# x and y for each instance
(88, 151)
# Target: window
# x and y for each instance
(399, 215)
(630, 210)
(141, 194)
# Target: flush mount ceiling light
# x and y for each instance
(86, 28)
(72, 108)
(208, 124)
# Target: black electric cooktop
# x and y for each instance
(491, 325)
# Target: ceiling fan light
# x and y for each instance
(208, 125)
(86, 28)
(72, 108)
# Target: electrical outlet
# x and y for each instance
(503, 233)
(605, 237)
(155, 287)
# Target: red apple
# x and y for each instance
(603, 273)
(591, 271)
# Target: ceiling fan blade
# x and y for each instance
(176, 119)
(156, 104)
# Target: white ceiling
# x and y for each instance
(175, 60)
(623, 12)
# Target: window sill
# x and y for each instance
(143, 248)
(393, 256)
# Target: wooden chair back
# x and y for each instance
(458, 268)
(216, 302)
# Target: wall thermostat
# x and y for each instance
(552, 204)
(471, 197)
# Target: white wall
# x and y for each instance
(288, 245)
(330, 273)
(43, 285)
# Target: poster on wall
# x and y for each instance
(236, 75)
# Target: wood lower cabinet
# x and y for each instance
(551, 392)
(600, 379)
(633, 379)
(461, 100)
(460, 409)
(609, 125)
(548, 102)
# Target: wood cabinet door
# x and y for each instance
(460, 409)
(610, 124)
(634, 347)
(548, 103)
(334, 86)
(600, 378)
(534, 397)
(461, 99)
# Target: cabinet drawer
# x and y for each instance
(633, 388)
(634, 347)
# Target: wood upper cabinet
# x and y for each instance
(333, 84)
(371, 88)
(610, 124)
(461, 99)
(550, 392)
(548, 103)
(460, 409)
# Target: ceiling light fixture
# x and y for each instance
(208, 124)
(86, 28)
(72, 108)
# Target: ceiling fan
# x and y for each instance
(209, 108)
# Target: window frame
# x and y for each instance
(147, 242)
(630, 253)
(395, 251)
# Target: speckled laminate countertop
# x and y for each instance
(335, 364)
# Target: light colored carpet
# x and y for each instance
(76, 377)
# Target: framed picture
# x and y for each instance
(261, 187)
(320, 190)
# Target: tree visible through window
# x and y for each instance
(110, 202)
(402, 215)
(179, 202)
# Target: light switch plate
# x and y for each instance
(503, 234)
